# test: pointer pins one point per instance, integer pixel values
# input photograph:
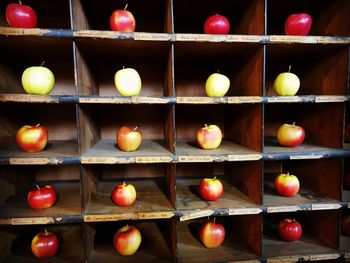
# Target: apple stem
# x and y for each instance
(126, 6)
(123, 67)
(42, 63)
(205, 125)
(46, 231)
(124, 183)
(214, 219)
(290, 67)
(37, 125)
(37, 186)
(20, 2)
(135, 128)
(214, 178)
(293, 123)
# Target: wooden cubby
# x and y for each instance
(174, 59)
(344, 239)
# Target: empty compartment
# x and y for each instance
(242, 240)
(319, 182)
(55, 15)
(347, 128)
(18, 181)
(319, 236)
(322, 70)
(59, 121)
(242, 64)
(152, 182)
(97, 62)
(322, 124)
(344, 245)
(346, 181)
(157, 244)
(16, 243)
(241, 182)
(245, 17)
(17, 55)
(328, 17)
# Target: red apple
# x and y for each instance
(298, 25)
(122, 20)
(345, 226)
(42, 197)
(290, 135)
(216, 24)
(128, 139)
(23, 16)
(289, 230)
(127, 240)
(287, 184)
(212, 234)
(211, 189)
(347, 133)
(45, 245)
(32, 138)
(124, 194)
(209, 137)
(346, 184)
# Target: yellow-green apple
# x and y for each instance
(286, 84)
(346, 225)
(124, 194)
(211, 189)
(128, 139)
(21, 16)
(122, 21)
(42, 197)
(216, 24)
(290, 135)
(298, 24)
(38, 80)
(45, 245)
(128, 82)
(32, 138)
(127, 240)
(212, 234)
(217, 85)
(209, 137)
(287, 184)
(289, 230)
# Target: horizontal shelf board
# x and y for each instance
(126, 100)
(141, 36)
(68, 204)
(219, 100)
(28, 98)
(36, 32)
(306, 99)
(106, 152)
(280, 39)
(190, 248)
(129, 216)
(151, 197)
(56, 152)
(187, 196)
(219, 38)
(65, 219)
(228, 151)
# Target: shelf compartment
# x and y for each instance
(320, 135)
(16, 242)
(19, 180)
(242, 240)
(345, 188)
(317, 191)
(157, 243)
(241, 63)
(98, 139)
(241, 180)
(328, 18)
(55, 15)
(62, 143)
(156, 20)
(319, 239)
(153, 184)
(97, 61)
(245, 17)
(344, 244)
(57, 55)
(240, 125)
(322, 69)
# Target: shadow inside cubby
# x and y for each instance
(344, 245)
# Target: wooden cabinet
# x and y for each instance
(174, 59)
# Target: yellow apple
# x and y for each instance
(286, 84)
(38, 80)
(217, 85)
(128, 82)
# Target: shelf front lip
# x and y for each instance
(129, 216)
(39, 160)
(302, 207)
(112, 35)
(126, 159)
(181, 158)
(306, 99)
(36, 32)
(336, 153)
(125, 100)
(42, 220)
(283, 39)
(29, 98)
(297, 258)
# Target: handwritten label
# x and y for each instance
(200, 100)
(321, 99)
(283, 99)
(106, 100)
(152, 36)
(197, 214)
(28, 98)
(305, 157)
(26, 161)
(153, 159)
(192, 159)
(200, 37)
(155, 215)
(285, 260)
(278, 209)
(244, 38)
(244, 261)
(22, 31)
(244, 99)
(106, 218)
(106, 160)
(293, 39)
(244, 157)
(150, 100)
(35, 220)
(325, 206)
(323, 257)
(244, 211)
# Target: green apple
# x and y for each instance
(217, 85)
(286, 84)
(38, 80)
(128, 82)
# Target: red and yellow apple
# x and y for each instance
(209, 137)
(216, 24)
(42, 197)
(21, 16)
(287, 184)
(211, 189)
(290, 135)
(128, 139)
(45, 245)
(124, 194)
(286, 84)
(38, 80)
(298, 24)
(217, 85)
(212, 234)
(127, 240)
(32, 138)
(122, 21)
(128, 82)
(289, 230)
